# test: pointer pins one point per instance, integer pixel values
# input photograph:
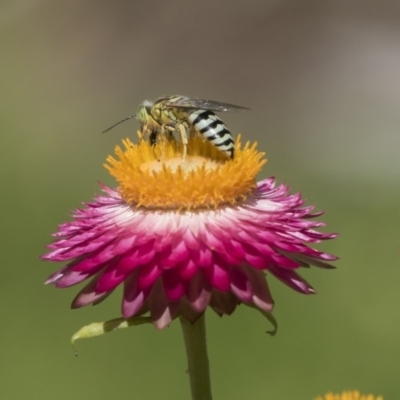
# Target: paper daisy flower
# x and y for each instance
(354, 395)
(184, 235)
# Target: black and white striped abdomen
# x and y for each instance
(213, 129)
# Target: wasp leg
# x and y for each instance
(182, 129)
(147, 133)
(166, 129)
(150, 134)
(170, 128)
(153, 137)
(162, 134)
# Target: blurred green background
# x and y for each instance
(322, 80)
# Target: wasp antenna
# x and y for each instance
(119, 122)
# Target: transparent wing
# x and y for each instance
(190, 102)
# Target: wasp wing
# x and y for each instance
(210, 105)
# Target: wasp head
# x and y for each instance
(143, 112)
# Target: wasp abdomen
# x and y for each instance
(213, 129)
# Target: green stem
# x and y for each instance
(196, 351)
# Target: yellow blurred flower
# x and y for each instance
(355, 395)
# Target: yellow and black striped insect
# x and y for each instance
(182, 114)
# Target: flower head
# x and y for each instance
(355, 395)
(182, 235)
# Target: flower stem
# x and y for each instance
(194, 335)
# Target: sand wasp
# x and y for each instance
(183, 115)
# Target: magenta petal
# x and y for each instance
(191, 242)
(198, 292)
(161, 309)
(133, 299)
(202, 257)
(148, 274)
(56, 276)
(88, 295)
(180, 252)
(145, 253)
(254, 258)
(171, 257)
(223, 303)
(284, 262)
(124, 244)
(261, 296)
(293, 280)
(111, 278)
(71, 278)
(73, 251)
(218, 276)
(187, 269)
(132, 306)
(173, 286)
(240, 284)
(128, 262)
(92, 260)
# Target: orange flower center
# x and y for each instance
(158, 177)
